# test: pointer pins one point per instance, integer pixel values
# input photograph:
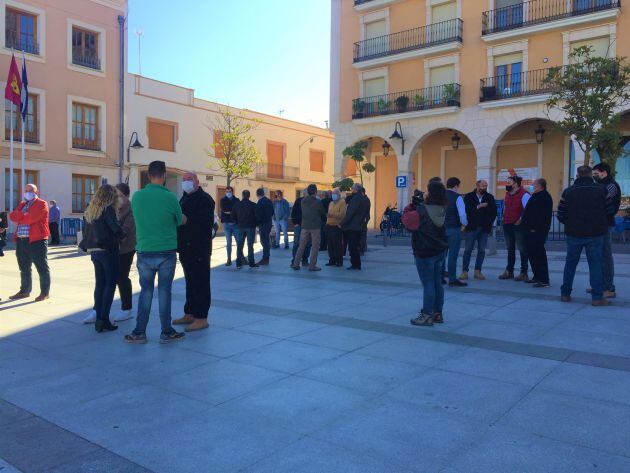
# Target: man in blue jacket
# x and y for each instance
(281, 211)
(264, 217)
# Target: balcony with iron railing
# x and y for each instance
(86, 58)
(278, 172)
(430, 98)
(545, 14)
(20, 42)
(415, 40)
(88, 143)
(31, 134)
(511, 86)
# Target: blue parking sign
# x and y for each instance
(401, 182)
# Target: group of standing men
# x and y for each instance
(329, 223)
(587, 210)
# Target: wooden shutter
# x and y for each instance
(275, 160)
(161, 135)
(218, 150)
(316, 159)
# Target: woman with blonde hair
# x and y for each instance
(102, 234)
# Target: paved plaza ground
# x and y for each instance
(320, 372)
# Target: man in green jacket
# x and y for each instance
(157, 214)
(313, 214)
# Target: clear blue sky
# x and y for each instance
(265, 55)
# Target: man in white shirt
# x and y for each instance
(453, 223)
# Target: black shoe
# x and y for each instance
(330, 264)
(253, 266)
(339, 265)
(173, 336)
(136, 338)
(422, 320)
(530, 281)
(263, 262)
(457, 283)
(304, 262)
(444, 281)
(239, 266)
(229, 263)
(286, 247)
(437, 318)
(541, 284)
(104, 326)
(353, 268)
(275, 247)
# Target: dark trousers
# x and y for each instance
(363, 242)
(54, 233)
(323, 240)
(106, 275)
(354, 247)
(535, 247)
(243, 234)
(593, 247)
(124, 283)
(514, 241)
(335, 245)
(197, 274)
(264, 230)
(29, 254)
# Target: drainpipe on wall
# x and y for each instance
(121, 157)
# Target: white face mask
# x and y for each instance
(335, 197)
(188, 186)
(29, 196)
(228, 195)
(531, 189)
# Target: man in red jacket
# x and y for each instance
(31, 242)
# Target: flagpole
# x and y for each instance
(23, 174)
(11, 166)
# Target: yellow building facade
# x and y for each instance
(462, 82)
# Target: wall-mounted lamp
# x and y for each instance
(540, 134)
(386, 148)
(455, 139)
(133, 144)
(398, 135)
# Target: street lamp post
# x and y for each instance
(132, 144)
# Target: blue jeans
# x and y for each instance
(149, 264)
(513, 241)
(106, 275)
(231, 230)
(481, 237)
(282, 226)
(608, 264)
(250, 235)
(297, 233)
(264, 230)
(430, 272)
(593, 246)
(454, 240)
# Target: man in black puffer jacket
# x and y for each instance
(244, 214)
(535, 225)
(584, 210)
(603, 174)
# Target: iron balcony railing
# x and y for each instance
(540, 11)
(515, 85)
(440, 96)
(20, 42)
(86, 58)
(92, 143)
(409, 40)
(277, 171)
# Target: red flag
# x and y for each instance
(13, 90)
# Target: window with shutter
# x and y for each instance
(219, 152)
(316, 159)
(275, 160)
(599, 46)
(162, 134)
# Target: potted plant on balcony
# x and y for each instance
(383, 105)
(450, 95)
(357, 108)
(418, 102)
(488, 92)
(401, 103)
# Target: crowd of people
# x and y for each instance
(155, 227)
(439, 218)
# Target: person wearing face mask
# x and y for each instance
(31, 243)
(515, 201)
(535, 226)
(227, 219)
(602, 174)
(194, 244)
(481, 211)
(336, 213)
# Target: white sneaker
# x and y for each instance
(123, 315)
(91, 317)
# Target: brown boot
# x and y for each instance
(479, 276)
(198, 324)
(522, 277)
(42, 297)
(19, 295)
(600, 303)
(565, 298)
(185, 320)
(507, 275)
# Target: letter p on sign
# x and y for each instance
(401, 182)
